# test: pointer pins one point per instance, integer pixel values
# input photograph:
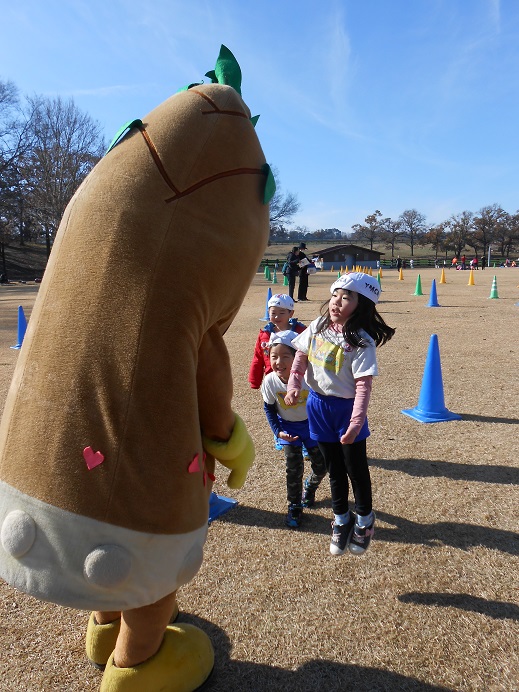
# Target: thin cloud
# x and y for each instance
(107, 91)
(495, 14)
(338, 59)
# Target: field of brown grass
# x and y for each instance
(433, 605)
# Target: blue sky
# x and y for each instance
(365, 104)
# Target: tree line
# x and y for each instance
(47, 147)
(490, 226)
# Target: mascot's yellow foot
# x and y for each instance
(100, 639)
(182, 664)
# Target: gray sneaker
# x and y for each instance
(361, 538)
(341, 534)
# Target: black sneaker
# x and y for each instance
(294, 516)
(341, 535)
(361, 538)
(308, 499)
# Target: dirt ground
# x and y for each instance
(433, 605)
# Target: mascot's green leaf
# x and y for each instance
(212, 76)
(270, 184)
(122, 131)
(189, 86)
(227, 70)
(254, 120)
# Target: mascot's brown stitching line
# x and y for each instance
(156, 158)
(201, 183)
(206, 181)
(216, 109)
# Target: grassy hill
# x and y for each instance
(24, 263)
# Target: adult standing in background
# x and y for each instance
(303, 275)
(293, 269)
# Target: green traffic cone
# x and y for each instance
(274, 278)
(285, 280)
(265, 271)
(267, 274)
(418, 289)
(379, 280)
(493, 290)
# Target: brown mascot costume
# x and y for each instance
(121, 397)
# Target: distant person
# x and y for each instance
(463, 262)
(290, 426)
(293, 269)
(303, 274)
(398, 262)
(454, 263)
(338, 354)
(483, 262)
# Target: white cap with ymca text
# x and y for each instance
(281, 300)
(286, 337)
(359, 282)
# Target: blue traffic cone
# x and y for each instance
(218, 505)
(431, 403)
(22, 327)
(433, 299)
(269, 296)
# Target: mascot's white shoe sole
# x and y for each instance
(101, 639)
(182, 664)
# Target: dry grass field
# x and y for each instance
(433, 605)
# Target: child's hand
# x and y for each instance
(288, 438)
(292, 397)
(349, 436)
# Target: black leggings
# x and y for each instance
(345, 462)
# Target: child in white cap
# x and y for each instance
(338, 354)
(281, 316)
(290, 426)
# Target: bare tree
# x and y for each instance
(459, 230)
(66, 146)
(14, 144)
(283, 207)
(507, 233)
(486, 222)
(435, 237)
(390, 233)
(412, 225)
(370, 230)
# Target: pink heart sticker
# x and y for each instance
(194, 466)
(92, 458)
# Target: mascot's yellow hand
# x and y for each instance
(237, 454)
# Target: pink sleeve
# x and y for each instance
(360, 405)
(295, 381)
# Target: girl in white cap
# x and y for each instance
(337, 352)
